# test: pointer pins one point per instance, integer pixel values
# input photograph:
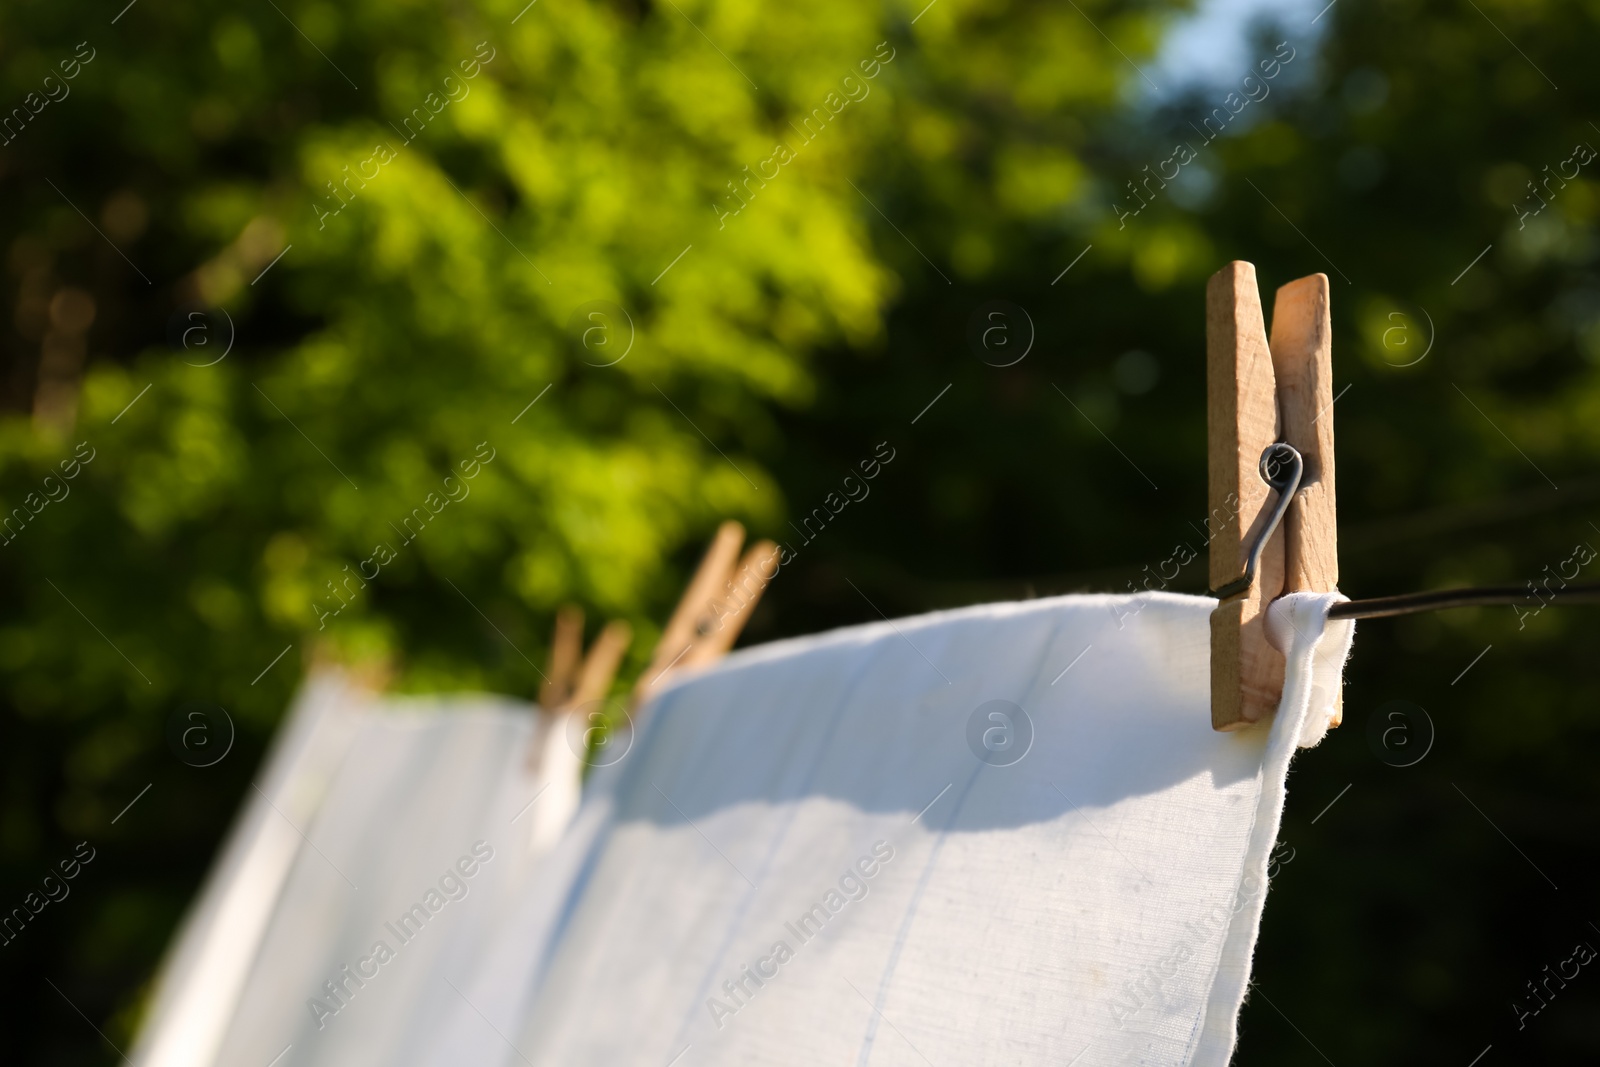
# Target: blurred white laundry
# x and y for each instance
(377, 821)
(1005, 834)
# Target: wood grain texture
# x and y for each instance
(1242, 420)
(1302, 361)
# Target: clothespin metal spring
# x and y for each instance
(1281, 467)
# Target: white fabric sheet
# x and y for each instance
(495, 972)
(1094, 902)
(370, 806)
(204, 974)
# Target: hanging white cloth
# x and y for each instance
(202, 978)
(1005, 834)
(384, 833)
(1002, 834)
(493, 973)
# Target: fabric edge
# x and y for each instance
(1298, 624)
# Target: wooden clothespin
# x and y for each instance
(708, 619)
(566, 646)
(568, 683)
(1259, 393)
(714, 608)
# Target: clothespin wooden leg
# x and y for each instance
(565, 647)
(1302, 361)
(681, 630)
(1242, 420)
(568, 686)
(727, 614)
(600, 665)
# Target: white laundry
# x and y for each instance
(203, 975)
(802, 858)
(805, 860)
(495, 971)
(396, 822)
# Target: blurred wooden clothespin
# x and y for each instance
(570, 683)
(1259, 393)
(567, 683)
(714, 608)
(708, 619)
